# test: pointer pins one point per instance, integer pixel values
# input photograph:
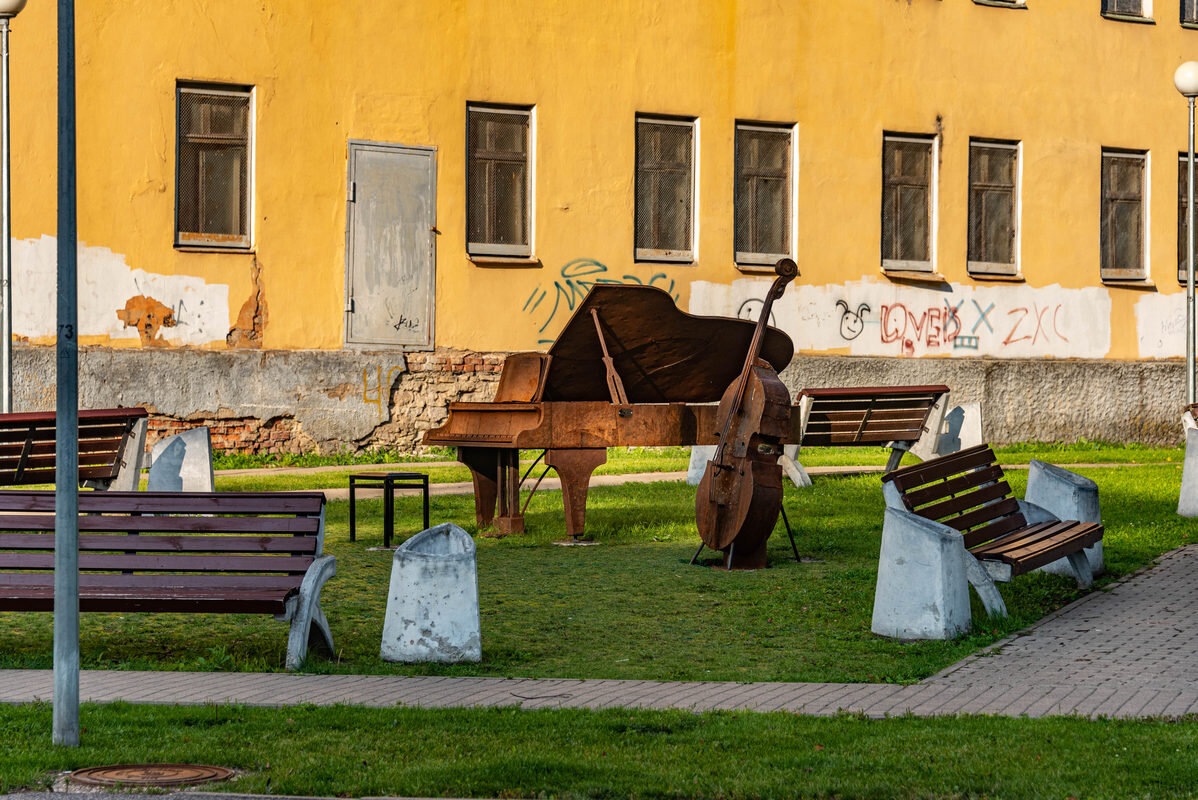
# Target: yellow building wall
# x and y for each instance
(1056, 76)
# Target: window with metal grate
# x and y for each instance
(1121, 229)
(1189, 12)
(907, 192)
(1183, 218)
(993, 192)
(762, 196)
(498, 209)
(1127, 8)
(213, 166)
(665, 178)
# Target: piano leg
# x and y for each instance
(574, 467)
(483, 463)
(509, 519)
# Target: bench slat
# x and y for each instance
(1039, 544)
(174, 544)
(914, 498)
(161, 524)
(171, 502)
(162, 582)
(133, 601)
(980, 498)
(869, 391)
(162, 563)
(939, 468)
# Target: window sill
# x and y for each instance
(997, 276)
(1140, 284)
(917, 276)
(1193, 26)
(1000, 4)
(199, 248)
(1128, 18)
(761, 269)
(503, 261)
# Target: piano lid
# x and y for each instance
(663, 354)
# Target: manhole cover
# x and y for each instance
(149, 775)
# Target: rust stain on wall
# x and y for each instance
(251, 320)
(149, 316)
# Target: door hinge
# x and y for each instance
(353, 192)
(349, 306)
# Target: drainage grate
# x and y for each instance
(149, 775)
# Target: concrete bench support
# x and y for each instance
(1187, 502)
(1064, 495)
(923, 589)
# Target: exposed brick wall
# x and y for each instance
(237, 435)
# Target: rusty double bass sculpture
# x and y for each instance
(740, 495)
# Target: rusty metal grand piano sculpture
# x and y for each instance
(629, 369)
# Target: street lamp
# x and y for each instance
(1186, 81)
(8, 10)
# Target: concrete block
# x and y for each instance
(962, 429)
(432, 603)
(792, 467)
(182, 463)
(1187, 501)
(1065, 495)
(700, 455)
(923, 588)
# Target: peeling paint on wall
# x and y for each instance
(882, 319)
(148, 316)
(200, 310)
(251, 320)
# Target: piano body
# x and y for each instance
(629, 369)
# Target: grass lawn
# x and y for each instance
(632, 607)
(353, 752)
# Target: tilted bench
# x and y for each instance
(228, 552)
(953, 519)
(111, 441)
(865, 416)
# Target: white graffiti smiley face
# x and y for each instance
(852, 322)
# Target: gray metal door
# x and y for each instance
(389, 248)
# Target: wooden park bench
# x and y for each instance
(111, 441)
(865, 416)
(228, 552)
(968, 494)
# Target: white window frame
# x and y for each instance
(929, 266)
(1145, 14)
(770, 259)
(985, 268)
(1145, 216)
(194, 239)
(514, 251)
(678, 256)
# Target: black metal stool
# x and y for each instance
(390, 481)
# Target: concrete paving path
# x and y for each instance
(1127, 651)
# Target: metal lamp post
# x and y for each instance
(1186, 81)
(8, 10)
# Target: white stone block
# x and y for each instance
(182, 463)
(700, 455)
(1187, 502)
(923, 588)
(962, 429)
(432, 604)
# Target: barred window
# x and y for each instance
(763, 194)
(1189, 11)
(665, 179)
(1122, 223)
(1127, 8)
(907, 194)
(992, 207)
(213, 166)
(1183, 219)
(499, 207)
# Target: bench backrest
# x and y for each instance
(866, 415)
(271, 534)
(966, 491)
(28, 441)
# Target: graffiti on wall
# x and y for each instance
(1161, 325)
(576, 278)
(898, 320)
(379, 395)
